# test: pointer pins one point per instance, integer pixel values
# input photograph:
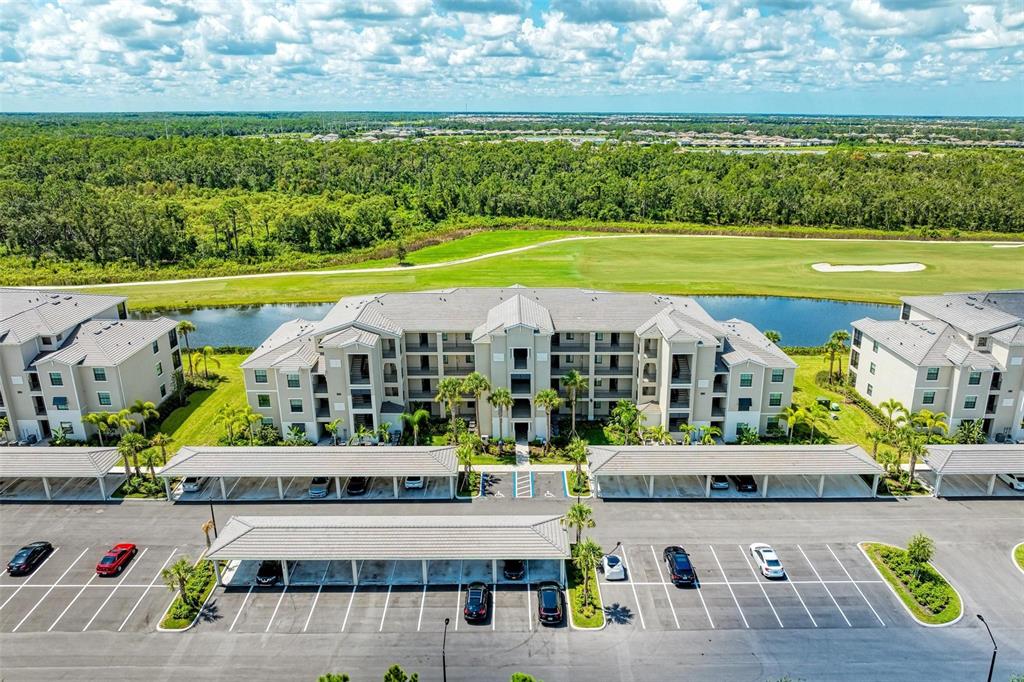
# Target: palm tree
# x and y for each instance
(130, 446)
(501, 400)
(206, 528)
(574, 383)
(911, 445)
(332, 428)
(415, 420)
(576, 452)
(895, 413)
(449, 394)
(383, 432)
(627, 423)
(550, 401)
(464, 453)
(161, 440)
(579, 516)
(687, 430)
(362, 433)
(877, 436)
(5, 426)
(297, 436)
(970, 431)
(476, 384)
(184, 329)
(709, 434)
(194, 358)
(248, 418)
(659, 434)
(931, 422)
(100, 420)
(773, 336)
(839, 337)
(816, 417)
(176, 577)
(585, 558)
(209, 355)
(123, 421)
(227, 416)
(146, 410)
(792, 415)
(149, 459)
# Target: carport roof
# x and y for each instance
(416, 537)
(313, 461)
(995, 458)
(53, 462)
(703, 460)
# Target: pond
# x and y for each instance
(801, 321)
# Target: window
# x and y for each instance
(60, 402)
(47, 341)
(970, 402)
(746, 380)
(67, 427)
(933, 374)
(469, 359)
(745, 404)
(773, 423)
(870, 389)
(598, 359)
(159, 369)
(293, 380)
(267, 421)
(774, 399)
(568, 359)
(974, 379)
(156, 346)
(598, 382)
(263, 400)
(854, 358)
(778, 376)
(982, 341)
(857, 335)
(928, 398)
(99, 374)
(444, 336)
(740, 428)
(260, 375)
(295, 405)
(301, 428)
(391, 391)
(569, 336)
(598, 404)
(648, 390)
(163, 390)
(874, 346)
(56, 379)
(599, 336)
(469, 337)
(871, 368)
(104, 398)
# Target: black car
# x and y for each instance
(28, 558)
(514, 569)
(269, 574)
(549, 604)
(745, 484)
(680, 570)
(478, 596)
(356, 485)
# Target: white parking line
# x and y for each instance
(150, 585)
(856, 586)
(702, 603)
(242, 608)
(135, 562)
(494, 605)
(529, 599)
(761, 585)
(813, 622)
(276, 607)
(348, 609)
(387, 599)
(739, 582)
(46, 594)
(423, 600)
(458, 595)
(34, 574)
(316, 597)
(636, 597)
(663, 584)
(848, 624)
(70, 604)
(734, 599)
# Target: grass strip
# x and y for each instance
(929, 596)
(181, 615)
(592, 615)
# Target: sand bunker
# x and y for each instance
(892, 267)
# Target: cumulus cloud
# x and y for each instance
(398, 51)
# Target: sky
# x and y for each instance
(915, 57)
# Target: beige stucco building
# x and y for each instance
(373, 357)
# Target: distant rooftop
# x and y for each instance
(28, 313)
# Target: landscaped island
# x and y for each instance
(924, 591)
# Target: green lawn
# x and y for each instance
(666, 264)
(594, 619)
(952, 610)
(1018, 555)
(194, 424)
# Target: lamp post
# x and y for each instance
(444, 664)
(995, 648)
(213, 518)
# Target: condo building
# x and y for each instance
(960, 353)
(64, 355)
(373, 357)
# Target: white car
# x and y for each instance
(767, 560)
(1015, 481)
(413, 482)
(612, 567)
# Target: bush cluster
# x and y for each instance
(929, 589)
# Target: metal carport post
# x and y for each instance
(103, 487)
(46, 488)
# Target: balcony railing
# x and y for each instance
(571, 347)
(458, 347)
(562, 370)
(619, 394)
(621, 370)
(521, 412)
(608, 347)
(388, 352)
(423, 371)
(720, 386)
(418, 348)
(390, 377)
(320, 386)
(421, 395)
(651, 351)
(323, 412)
(361, 402)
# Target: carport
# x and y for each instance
(47, 463)
(392, 462)
(799, 470)
(971, 470)
(391, 538)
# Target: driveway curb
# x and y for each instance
(1013, 556)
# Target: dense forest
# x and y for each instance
(130, 201)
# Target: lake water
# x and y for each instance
(801, 321)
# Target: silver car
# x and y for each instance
(319, 487)
(192, 484)
(767, 560)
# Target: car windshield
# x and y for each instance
(319, 481)
(22, 555)
(108, 559)
(774, 563)
(612, 560)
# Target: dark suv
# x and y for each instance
(680, 570)
(745, 484)
(549, 604)
(514, 569)
(477, 597)
(269, 574)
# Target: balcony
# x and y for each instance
(580, 343)
(620, 394)
(430, 371)
(33, 383)
(522, 409)
(460, 347)
(679, 399)
(521, 386)
(608, 370)
(421, 348)
(388, 349)
(390, 377)
(562, 370)
(359, 370)
(622, 346)
(721, 384)
(323, 412)
(651, 350)
(320, 384)
(420, 395)
(360, 402)
(717, 413)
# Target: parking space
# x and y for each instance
(549, 484)
(61, 489)
(296, 489)
(498, 484)
(779, 487)
(969, 485)
(64, 594)
(828, 586)
(524, 481)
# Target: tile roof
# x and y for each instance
(414, 537)
(516, 311)
(28, 313)
(927, 343)
(992, 458)
(974, 313)
(106, 343)
(680, 327)
(291, 344)
(703, 460)
(745, 343)
(54, 462)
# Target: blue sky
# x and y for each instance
(930, 57)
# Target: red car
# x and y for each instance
(114, 561)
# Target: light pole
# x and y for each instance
(995, 647)
(214, 520)
(444, 664)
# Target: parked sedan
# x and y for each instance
(116, 558)
(767, 560)
(1015, 481)
(514, 569)
(612, 567)
(478, 596)
(413, 482)
(269, 573)
(680, 570)
(192, 484)
(356, 485)
(745, 484)
(319, 487)
(549, 604)
(719, 483)
(29, 557)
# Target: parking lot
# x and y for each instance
(779, 487)
(390, 597)
(296, 489)
(967, 485)
(523, 484)
(827, 586)
(65, 594)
